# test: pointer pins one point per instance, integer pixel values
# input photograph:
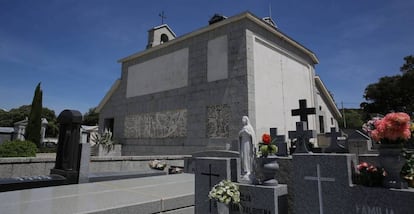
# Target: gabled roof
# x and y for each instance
(325, 93)
(244, 15)
(108, 95)
(164, 26)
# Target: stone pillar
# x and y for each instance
(68, 152)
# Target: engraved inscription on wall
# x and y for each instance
(218, 119)
(166, 124)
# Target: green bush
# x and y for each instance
(18, 149)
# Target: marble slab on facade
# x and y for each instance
(141, 195)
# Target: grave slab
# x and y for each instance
(168, 194)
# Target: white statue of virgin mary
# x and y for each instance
(248, 147)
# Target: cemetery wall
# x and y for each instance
(15, 167)
(208, 107)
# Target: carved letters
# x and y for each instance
(166, 124)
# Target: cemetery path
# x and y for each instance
(140, 195)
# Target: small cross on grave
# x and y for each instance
(209, 174)
(303, 111)
(334, 146)
(280, 141)
(320, 180)
(302, 135)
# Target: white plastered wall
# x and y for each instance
(281, 79)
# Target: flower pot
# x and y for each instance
(392, 161)
(222, 208)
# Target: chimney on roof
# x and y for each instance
(216, 18)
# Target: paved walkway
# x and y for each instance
(166, 194)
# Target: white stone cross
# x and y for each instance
(319, 179)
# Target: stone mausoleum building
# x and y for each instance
(189, 93)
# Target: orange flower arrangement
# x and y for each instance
(394, 127)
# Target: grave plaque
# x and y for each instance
(209, 172)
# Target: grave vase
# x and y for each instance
(392, 161)
(222, 208)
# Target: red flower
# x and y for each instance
(362, 165)
(266, 138)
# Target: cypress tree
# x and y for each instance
(35, 118)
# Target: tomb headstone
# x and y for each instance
(280, 142)
(303, 112)
(335, 146)
(68, 152)
(302, 136)
(261, 199)
(190, 162)
(323, 184)
(209, 172)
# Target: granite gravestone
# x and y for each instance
(209, 172)
(323, 184)
(302, 136)
(280, 142)
(68, 161)
(335, 146)
(261, 199)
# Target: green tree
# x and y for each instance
(34, 125)
(392, 93)
(408, 65)
(91, 118)
(8, 118)
(353, 118)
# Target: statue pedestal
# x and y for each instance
(261, 199)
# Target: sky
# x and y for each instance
(72, 47)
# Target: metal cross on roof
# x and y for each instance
(162, 15)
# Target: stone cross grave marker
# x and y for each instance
(319, 179)
(210, 184)
(302, 136)
(209, 171)
(303, 111)
(337, 193)
(280, 141)
(334, 145)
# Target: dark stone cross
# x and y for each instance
(303, 111)
(302, 135)
(162, 15)
(209, 174)
(333, 145)
(280, 142)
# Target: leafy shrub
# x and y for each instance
(18, 149)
